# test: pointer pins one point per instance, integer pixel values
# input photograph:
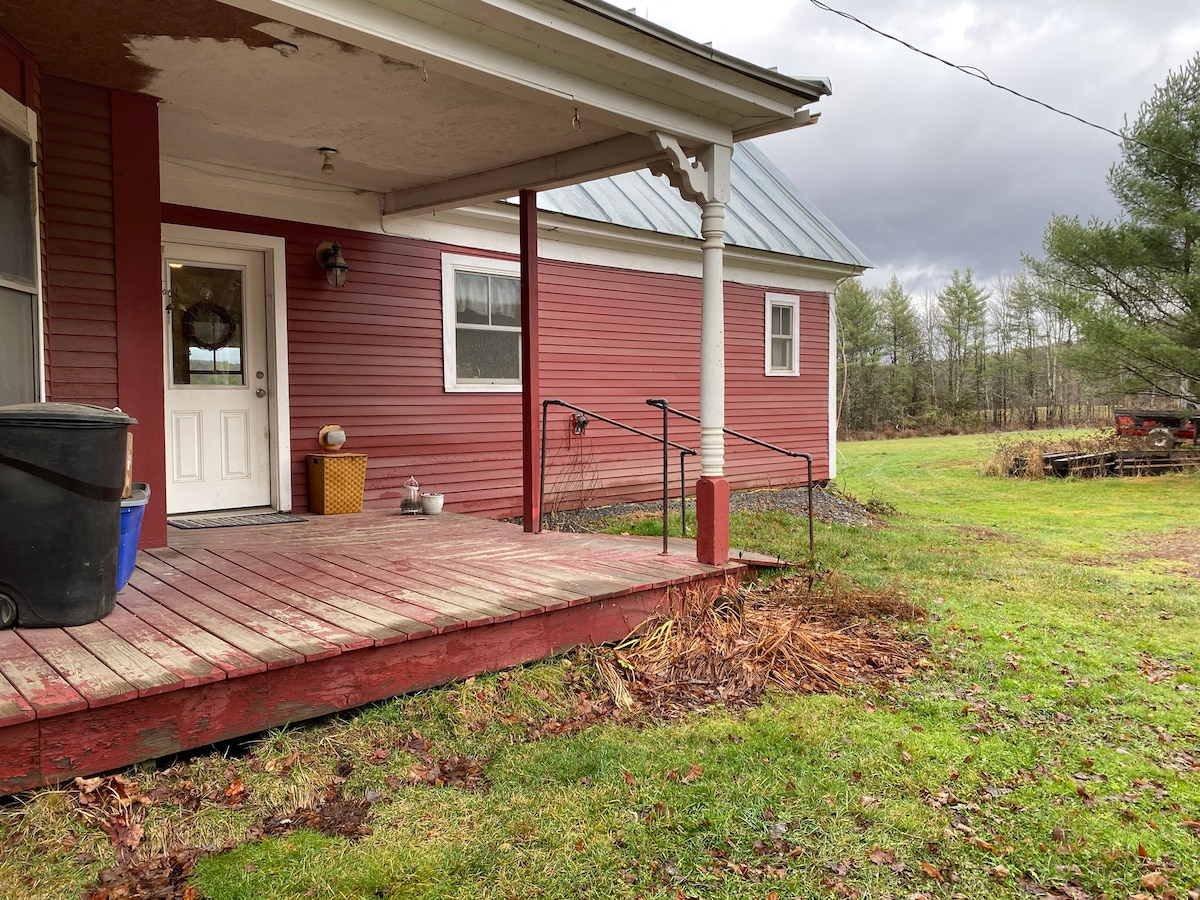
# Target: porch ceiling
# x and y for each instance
(430, 104)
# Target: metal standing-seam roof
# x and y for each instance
(765, 211)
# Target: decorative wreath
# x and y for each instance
(217, 316)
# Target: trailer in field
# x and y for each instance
(1161, 428)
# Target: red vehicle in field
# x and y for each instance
(1162, 428)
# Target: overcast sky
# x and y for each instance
(927, 169)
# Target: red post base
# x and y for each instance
(712, 520)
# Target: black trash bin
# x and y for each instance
(62, 468)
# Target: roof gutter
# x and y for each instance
(811, 88)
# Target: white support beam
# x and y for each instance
(610, 157)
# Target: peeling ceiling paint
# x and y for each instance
(251, 107)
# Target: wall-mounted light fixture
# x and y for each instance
(329, 258)
(327, 155)
(580, 423)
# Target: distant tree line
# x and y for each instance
(964, 357)
(1110, 312)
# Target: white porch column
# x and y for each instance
(706, 183)
(712, 341)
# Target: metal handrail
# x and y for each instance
(683, 451)
(795, 454)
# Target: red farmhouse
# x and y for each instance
(196, 168)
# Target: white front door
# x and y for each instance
(218, 389)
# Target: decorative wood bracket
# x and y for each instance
(702, 181)
(686, 176)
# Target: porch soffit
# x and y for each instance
(431, 104)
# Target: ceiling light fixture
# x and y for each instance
(327, 155)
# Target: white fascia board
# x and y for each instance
(570, 239)
(809, 87)
(382, 28)
(492, 227)
(708, 72)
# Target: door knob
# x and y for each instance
(260, 393)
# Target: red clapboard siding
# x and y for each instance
(77, 202)
(12, 69)
(369, 357)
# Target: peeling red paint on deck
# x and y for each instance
(232, 631)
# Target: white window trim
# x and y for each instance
(20, 120)
(793, 302)
(455, 262)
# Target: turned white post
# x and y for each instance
(706, 183)
(712, 341)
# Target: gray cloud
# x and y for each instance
(926, 169)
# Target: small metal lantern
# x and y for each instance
(410, 499)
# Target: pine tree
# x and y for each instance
(1132, 287)
(963, 325)
(860, 346)
(898, 322)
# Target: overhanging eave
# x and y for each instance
(385, 30)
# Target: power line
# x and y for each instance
(975, 72)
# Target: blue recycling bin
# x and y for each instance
(133, 508)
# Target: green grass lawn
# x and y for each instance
(1049, 748)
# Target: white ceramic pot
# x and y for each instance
(431, 504)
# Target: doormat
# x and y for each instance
(270, 518)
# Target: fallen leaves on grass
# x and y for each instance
(115, 804)
(162, 877)
(465, 772)
(335, 816)
(800, 634)
(882, 856)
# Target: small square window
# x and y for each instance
(481, 323)
(782, 334)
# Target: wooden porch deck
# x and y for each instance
(234, 630)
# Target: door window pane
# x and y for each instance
(207, 325)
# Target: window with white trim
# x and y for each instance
(20, 317)
(783, 334)
(481, 323)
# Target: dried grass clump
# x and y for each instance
(1023, 457)
(799, 634)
